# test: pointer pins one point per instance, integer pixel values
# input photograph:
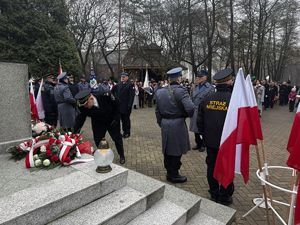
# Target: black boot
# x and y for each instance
(176, 178)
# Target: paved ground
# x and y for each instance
(143, 154)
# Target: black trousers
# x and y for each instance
(172, 164)
(198, 140)
(141, 101)
(292, 106)
(100, 131)
(216, 191)
(125, 118)
(51, 119)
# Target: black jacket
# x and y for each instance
(107, 114)
(211, 115)
(124, 92)
(49, 102)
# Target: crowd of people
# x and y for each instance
(109, 105)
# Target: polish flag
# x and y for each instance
(34, 113)
(237, 135)
(294, 159)
(39, 103)
(254, 110)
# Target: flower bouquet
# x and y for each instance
(52, 148)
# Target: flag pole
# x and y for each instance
(293, 198)
(265, 196)
(269, 190)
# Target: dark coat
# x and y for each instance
(105, 115)
(211, 116)
(73, 88)
(198, 94)
(124, 92)
(49, 102)
(171, 111)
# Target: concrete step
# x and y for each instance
(47, 201)
(186, 200)
(153, 189)
(204, 219)
(221, 213)
(117, 208)
(163, 212)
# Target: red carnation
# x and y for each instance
(51, 141)
(68, 159)
(58, 142)
(48, 153)
(54, 158)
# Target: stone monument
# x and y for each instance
(15, 118)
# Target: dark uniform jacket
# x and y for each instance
(49, 102)
(124, 92)
(211, 115)
(105, 115)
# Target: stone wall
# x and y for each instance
(15, 119)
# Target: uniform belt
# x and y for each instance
(172, 116)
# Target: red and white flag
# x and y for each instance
(34, 113)
(39, 103)
(237, 130)
(293, 161)
(254, 109)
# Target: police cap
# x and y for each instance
(62, 75)
(82, 97)
(201, 73)
(123, 74)
(176, 72)
(223, 75)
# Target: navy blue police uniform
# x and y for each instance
(210, 122)
(105, 116)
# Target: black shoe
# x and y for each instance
(122, 160)
(202, 149)
(196, 147)
(176, 179)
(226, 201)
(214, 198)
(126, 135)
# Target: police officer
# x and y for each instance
(173, 106)
(65, 103)
(210, 121)
(201, 90)
(124, 92)
(49, 102)
(103, 109)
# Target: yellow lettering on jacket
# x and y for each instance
(217, 105)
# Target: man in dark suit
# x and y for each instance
(124, 92)
(103, 109)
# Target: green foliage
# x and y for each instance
(34, 32)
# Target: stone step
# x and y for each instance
(47, 201)
(163, 212)
(186, 200)
(204, 219)
(221, 213)
(117, 208)
(153, 189)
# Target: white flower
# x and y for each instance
(43, 148)
(38, 162)
(46, 162)
(62, 138)
(36, 156)
(39, 128)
